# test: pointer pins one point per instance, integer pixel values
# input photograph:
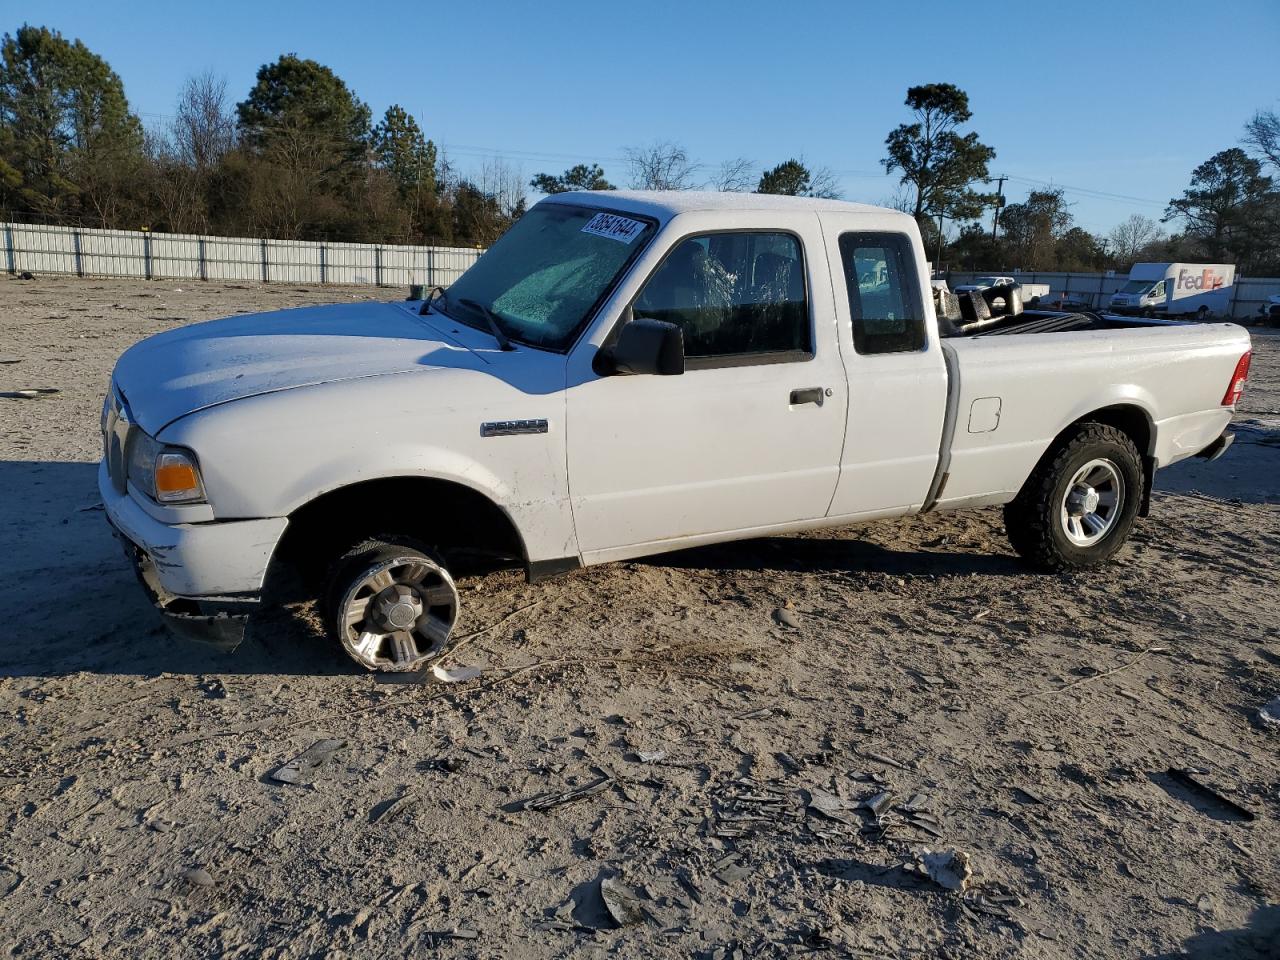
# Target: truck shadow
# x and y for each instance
(71, 604)
(1259, 939)
(801, 553)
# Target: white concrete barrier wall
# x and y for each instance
(42, 249)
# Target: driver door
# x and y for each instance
(749, 436)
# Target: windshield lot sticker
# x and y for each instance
(610, 225)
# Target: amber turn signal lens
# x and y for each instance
(176, 478)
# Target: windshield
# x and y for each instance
(1136, 286)
(546, 274)
(987, 281)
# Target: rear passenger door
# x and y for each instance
(750, 435)
(897, 376)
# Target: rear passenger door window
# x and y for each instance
(739, 298)
(884, 293)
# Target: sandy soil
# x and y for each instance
(1038, 717)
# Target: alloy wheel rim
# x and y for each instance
(1092, 502)
(398, 614)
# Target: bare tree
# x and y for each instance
(734, 176)
(505, 183)
(900, 201)
(204, 129)
(1132, 236)
(824, 183)
(660, 166)
(1263, 134)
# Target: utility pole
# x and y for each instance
(995, 217)
(939, 263)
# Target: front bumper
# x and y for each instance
(204, 577)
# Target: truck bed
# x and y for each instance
(1013, 395)
(1052, 321)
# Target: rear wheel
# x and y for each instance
(1079, 505)
(391, 604)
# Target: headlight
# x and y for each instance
(166, 474)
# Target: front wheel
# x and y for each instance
(391, 604)
(1078, 506)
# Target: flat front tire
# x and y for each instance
(1079, 505)
(391, 604)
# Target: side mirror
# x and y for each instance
(647, 346)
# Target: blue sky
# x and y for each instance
(1116, 102)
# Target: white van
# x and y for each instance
(1176, 289)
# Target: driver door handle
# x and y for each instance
(807, 395)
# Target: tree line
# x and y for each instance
(302, 157)
(1229, 213)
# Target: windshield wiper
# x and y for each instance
(492, 319)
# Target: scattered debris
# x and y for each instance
(745, 805)
(787, 760)
(949, 869)
(198, 877)
(786, 618)
(881, 758)
(445, 764)
(654, 757)
(304, 763)
(828, 804)
(991, 900)
(29, 393)
(8, 359)
(1269, 715)
(456, 675)
(1187, 777)
(623, 905)
(26, 275)
(562, 921)
(916, 814)
(546, 801)
(1027, 795)
(731, 869)
(687, 884)
(389, 810)
(876, 803)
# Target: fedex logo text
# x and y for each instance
(1205, 280)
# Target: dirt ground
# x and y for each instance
(1037, 718)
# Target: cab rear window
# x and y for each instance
(884, 293)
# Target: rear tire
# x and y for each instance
(1079, 504)
(391, 604)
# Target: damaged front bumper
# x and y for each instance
(215, 621)
(205, 578)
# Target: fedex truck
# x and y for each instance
(1176, 289)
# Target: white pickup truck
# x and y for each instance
(624, 374)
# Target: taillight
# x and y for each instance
(1235, 389)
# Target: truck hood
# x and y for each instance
(172, 374)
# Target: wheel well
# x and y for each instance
(1129, 420)
(1133, 422)
(468, 529)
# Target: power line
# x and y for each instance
(1088, 191)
